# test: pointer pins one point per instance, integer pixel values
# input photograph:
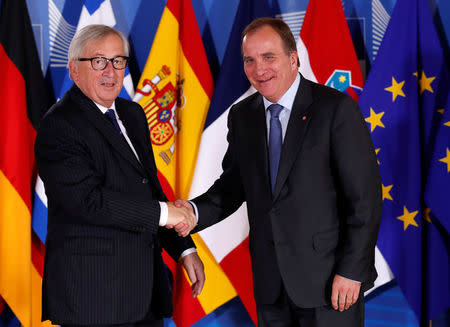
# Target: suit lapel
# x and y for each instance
(132, 129)
(138, 137)
(258, 142)
(297, 126)
(94, 115)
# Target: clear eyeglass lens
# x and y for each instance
(119, 63)
(99, 63)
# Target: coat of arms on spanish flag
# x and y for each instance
(175, 90)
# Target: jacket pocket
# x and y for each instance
(325, 241)
(89, 246)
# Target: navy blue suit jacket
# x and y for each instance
(103, 260)
(324, 213)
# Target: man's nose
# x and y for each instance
(260, 66)
(109, 68)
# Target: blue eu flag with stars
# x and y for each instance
(401, 103)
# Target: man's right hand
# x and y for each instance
(182, 217)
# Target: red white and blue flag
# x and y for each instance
(325, 48)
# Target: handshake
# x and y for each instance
(181, 217)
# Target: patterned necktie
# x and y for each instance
(274, 141)
(111, 115)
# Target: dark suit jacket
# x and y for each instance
(324, 214)
(103, 260)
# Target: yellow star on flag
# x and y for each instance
(447, 124)
(408, 218)
(342, 78)
(386, 190)
(425, 83)
(446, 160)
(441, 111)
(376, 153)
(396, 89)
(374, 119)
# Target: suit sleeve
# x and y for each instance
(359, 182)
(174, 244)
(77, 188)
(226, 194)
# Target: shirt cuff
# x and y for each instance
(195, 209)
(164, 214)
(188, 251)
(357, 281)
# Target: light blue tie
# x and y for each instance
(275, 141)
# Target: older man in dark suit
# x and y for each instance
(301, 156)
(106, 208)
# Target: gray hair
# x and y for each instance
(93, 32)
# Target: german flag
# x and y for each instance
(23, 100)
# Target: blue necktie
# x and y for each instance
(274, 141)
(111, 115)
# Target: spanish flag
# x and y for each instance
(23, 100)
(175, 91)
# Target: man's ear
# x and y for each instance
(294, 59)
(73, 70)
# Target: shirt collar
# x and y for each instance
(287, 100)
(104, 109)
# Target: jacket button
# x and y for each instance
(144, 181)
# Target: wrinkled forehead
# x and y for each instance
(99, 46)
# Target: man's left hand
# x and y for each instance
(195, 270)
(344, 292)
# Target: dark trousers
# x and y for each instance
(284, 313)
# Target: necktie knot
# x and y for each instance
(275, 110)
(111, 115)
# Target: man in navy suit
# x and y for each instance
(300, 155)
(106, 207)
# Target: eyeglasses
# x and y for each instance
(100, 63)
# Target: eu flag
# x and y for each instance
(437, 191)
(400, 103)
(438, 181)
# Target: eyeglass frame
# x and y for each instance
(108, 60)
